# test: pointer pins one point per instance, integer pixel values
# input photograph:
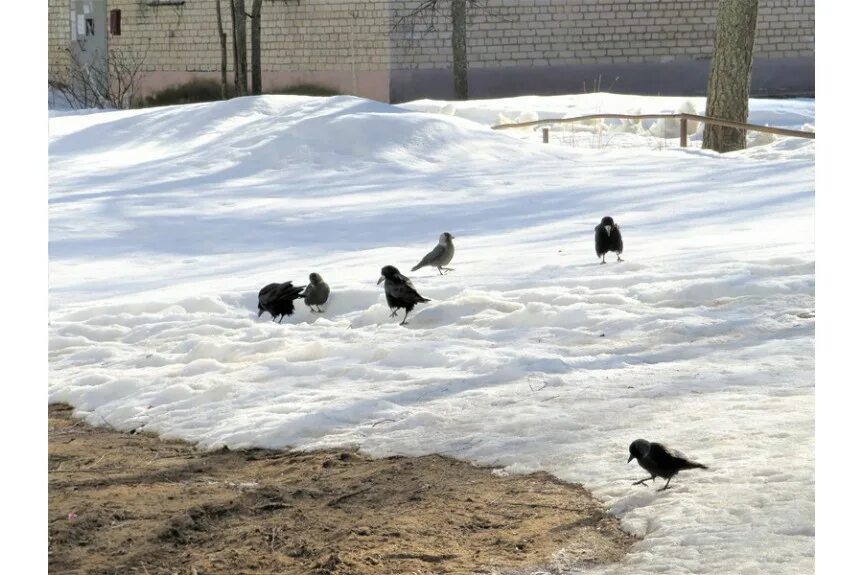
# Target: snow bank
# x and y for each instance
(165, 222)
(657, 134)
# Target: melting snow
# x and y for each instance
(165, 222)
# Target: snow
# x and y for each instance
(165, 222)
(658, 134)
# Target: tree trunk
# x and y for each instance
(223, 41)
(240, 48)
(233, 45)
(459, 47)
(255, 48)
(730, 73)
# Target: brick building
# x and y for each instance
(514, 46)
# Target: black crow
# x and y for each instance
(400, 292)
(608, 239)
(440, 256)
(316, 292)
(660, 461)
(277, 299)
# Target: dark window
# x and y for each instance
(115, 22)
(89, 27)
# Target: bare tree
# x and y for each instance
(240, 51)
(115, 85)
(233, 42)
(255, 48)
(223, 44)
(458, 17)
(459, 47)
(255, 16)
(730, 73)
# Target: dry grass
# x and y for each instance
(134, 504)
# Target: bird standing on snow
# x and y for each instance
(277, 299)
(660, 461)
(316, 292)
(608, 239)
(400, 292)
(440, 256)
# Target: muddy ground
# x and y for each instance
(121, 503)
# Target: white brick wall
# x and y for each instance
(312, 35)
(563, 32)
(358, 35)
(59, 27)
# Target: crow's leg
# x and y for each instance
(404, 321)
(449, 269)
(619, 259)
(666, 484)
(280, 318)
(642, 481)
(440, 270)
(603, 259)
(394, 312)
(319, 310)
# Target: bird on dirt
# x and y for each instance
(277, 299)
(440, 256)
(316, 292)
(400, 292)
(608, 239)
(660, 461)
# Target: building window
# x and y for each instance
(116, 27)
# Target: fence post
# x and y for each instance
(545, 132)
(683, 132)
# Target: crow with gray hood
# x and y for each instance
(440, 256)
(316, 292)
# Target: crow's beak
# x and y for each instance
(380, 280)
(630, 458)
(608, 229)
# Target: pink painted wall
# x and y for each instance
(372, 84)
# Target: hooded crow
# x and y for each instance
(277, 299)
(440, 256)
(316, 292)
(608, 239)
(400, 292)
(660, 461)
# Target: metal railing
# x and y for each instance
(681, 116)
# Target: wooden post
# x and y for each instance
(545, 132)
(683, 132)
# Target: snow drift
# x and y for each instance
(165, 222)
